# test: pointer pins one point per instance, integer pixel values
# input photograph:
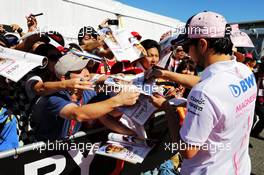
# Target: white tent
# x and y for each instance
(68, 16)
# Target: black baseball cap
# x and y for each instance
(87, 30)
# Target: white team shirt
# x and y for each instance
(219, 119)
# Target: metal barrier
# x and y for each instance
(37, 158)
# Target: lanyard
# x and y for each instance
(74, 122)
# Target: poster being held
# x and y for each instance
(125, 147)
(14, 64)
(123, 45)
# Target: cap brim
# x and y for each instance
(241, 39)
(68, 63)
(180, 40)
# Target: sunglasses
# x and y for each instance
(186, 45)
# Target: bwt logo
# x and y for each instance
(243, 86)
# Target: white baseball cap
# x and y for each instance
(69, 62)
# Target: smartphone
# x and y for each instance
(8, 28)
(112, 22)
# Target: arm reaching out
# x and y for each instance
(99, 109)
(184, 79)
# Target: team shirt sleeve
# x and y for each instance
(199, 120)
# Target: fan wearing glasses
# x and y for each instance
(177, 55)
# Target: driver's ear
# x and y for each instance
(202, 45)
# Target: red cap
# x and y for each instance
(249, 55)
(137, 35)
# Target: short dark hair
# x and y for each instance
(75, 46)
(49, 51)
(148, 44)
(220, 45)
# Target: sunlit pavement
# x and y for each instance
(257, 155)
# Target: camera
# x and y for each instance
(112, 22)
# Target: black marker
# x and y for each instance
(39, 14)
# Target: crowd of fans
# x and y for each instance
(59, 100)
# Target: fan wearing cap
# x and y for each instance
(220, 106)
(55, 112)
(189, 81)
(177, 55)
(42, 82)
